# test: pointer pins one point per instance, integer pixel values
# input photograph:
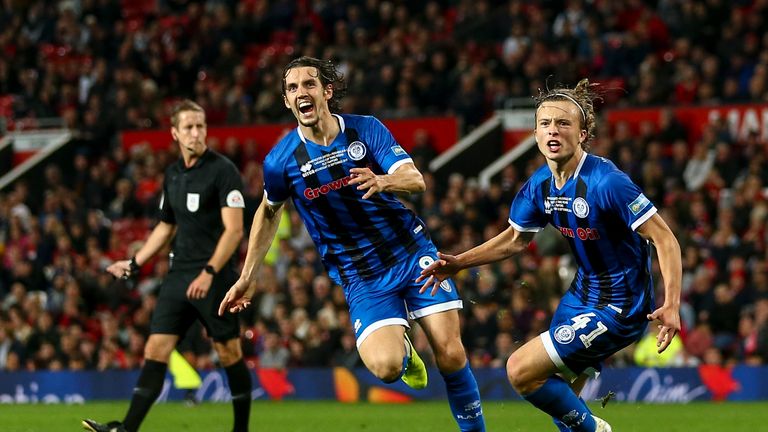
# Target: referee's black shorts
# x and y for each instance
(175, 313)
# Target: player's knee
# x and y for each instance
(386, 369)
(451, 357)
(516, 376)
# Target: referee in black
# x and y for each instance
(201, 210)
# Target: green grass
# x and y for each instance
(414, 417)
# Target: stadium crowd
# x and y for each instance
(104, 66)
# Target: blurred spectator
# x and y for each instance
(646, 351)
(86, 66)
(273, 354)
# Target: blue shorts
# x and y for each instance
(392, 297)
(581, 337)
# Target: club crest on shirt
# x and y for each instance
(580, 207)
(193, 202)
(356, 150)
(565, 334)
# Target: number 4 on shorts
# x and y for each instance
(581, 321)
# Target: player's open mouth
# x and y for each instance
(553, 145)
(306, 107)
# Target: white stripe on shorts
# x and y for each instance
(379, 324)
(433, 309)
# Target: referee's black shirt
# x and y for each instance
(192, 200)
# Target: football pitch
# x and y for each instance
(290, 416)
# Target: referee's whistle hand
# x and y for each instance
(120, 269)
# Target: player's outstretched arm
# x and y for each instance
(263, 230)
(668, 251)
(159, 237)
(509, 242)
(237, 298)
(406, 179)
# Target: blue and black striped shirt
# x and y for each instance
(597, 211)
(356, 238)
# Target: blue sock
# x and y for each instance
(562, 427)
(558, 400)
(464, 399)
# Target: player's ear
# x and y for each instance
(174, 134)
(328, 92)
(285, 101)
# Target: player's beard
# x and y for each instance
(308, 122)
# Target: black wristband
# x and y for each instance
(209, 269)
(134, 266)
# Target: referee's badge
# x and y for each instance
(193, 202)
(235, 199)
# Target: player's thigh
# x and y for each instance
(581, 337)
(443, 332)
(173, 313)
(530, 366)
(221, 328)
(383, 348)
(442, 328)
(375, 303)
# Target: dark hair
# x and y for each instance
(185, 105)
(328, 74)
(583, 97)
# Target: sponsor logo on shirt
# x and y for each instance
(397, 150)
(312, 193)
(325, 161)
(561, 204)
(581, 233)
(639, 204)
